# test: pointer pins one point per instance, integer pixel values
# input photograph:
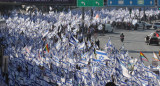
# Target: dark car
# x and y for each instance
(154, 40)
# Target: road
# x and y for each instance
(133, 42)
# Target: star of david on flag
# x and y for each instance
(101, 56)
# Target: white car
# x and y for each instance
(108, 28)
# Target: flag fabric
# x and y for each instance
(157, 35)
(109, 45)
(142, 56)
(73, 40)
(46, 48)
(97, 16)
(28, 51)
(81, 46)
(39, 56)
(125, 71)
(101, 56)
(155, 57)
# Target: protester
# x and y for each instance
(66, 60)
(122, 37)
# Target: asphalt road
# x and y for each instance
(134, 42)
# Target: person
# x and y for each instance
(89, 35)
(147, 39)
(97, 43)
(136, 26)
(111, 83)
(122, 37)
(143, 26)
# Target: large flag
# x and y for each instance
(155, 57)
(125, 71)
(142, 56)
(101, 56)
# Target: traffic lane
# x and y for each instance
(137, 44)
(134, 42)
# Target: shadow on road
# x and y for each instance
(134, 51)
(129, 41)
(113, 33)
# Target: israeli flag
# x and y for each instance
(73, 40)
(124, 69)
(101, 56)
(58, 45)
(109, 45)
(81, 46)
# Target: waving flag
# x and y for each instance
(97, 16)
(81, 46)
(46, 48)
(124, 69)
(109, 44)
(155, 57)
(142, 56)
(73, 40)
(157, 35)
(101, 56)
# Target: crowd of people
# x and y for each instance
(50, 49)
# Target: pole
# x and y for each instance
(83, 22)
(144, 14)
(139, 13)
(91, 14)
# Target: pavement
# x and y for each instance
(134, 42)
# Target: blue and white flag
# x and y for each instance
(58, 45)
(73, 40)
(81, 46)
(101, 56)
(124, 69)
(109, 44)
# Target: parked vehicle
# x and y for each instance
(147, 25)
(155, 26)
(108, 28)
(140, 25)
(143, 25)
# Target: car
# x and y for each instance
(153, 39)
(144, 24)
(148, 25)
(156, 25)
(108, 28)
(140, 25)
